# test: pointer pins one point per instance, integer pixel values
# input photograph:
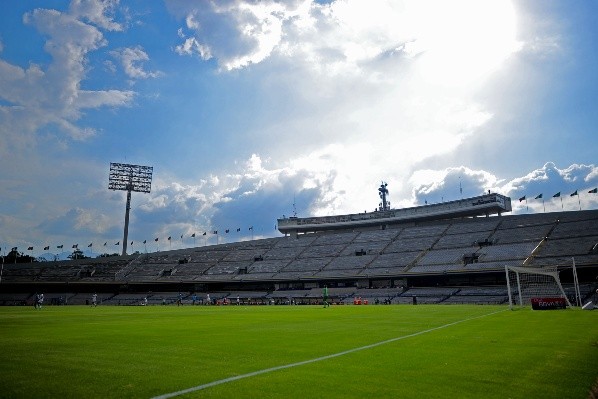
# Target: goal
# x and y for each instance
(527, 285)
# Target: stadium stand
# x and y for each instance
(429, 258)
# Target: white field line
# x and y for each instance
(318, 359)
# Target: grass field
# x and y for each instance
(143, 352)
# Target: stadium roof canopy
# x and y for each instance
(484, 205)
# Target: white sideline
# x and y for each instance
(318, 359)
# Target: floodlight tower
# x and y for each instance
(129, 178)
(383, 192)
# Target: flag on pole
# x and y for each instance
(522, 198)
(47, 248)
(539, 196)
(215, 231)
(30, 249)
(144, 241)
(573, 194)
(169, 238)
(193, 235)
(156, 239)
(557, 195)
(238, 229)
(251, 228)
(90, 245)
(131, 242)
(204, 233)
(594, 191)
(118, 243)
(60, 246)
(76, 246)
(106, 243)
(226, 231)
(14, 248)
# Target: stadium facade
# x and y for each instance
(452, 252)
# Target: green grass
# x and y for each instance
(141, 352)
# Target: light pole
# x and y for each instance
(129, 178)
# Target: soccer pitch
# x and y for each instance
(297, 352)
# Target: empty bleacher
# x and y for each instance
(431, 248)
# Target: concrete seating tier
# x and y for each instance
(188, 270)
(467, 240)
(258, 276)
(442, 256)
(334, 238)
(65, 273)
(519, 221)
(20, 272)
(322, 251)
(568, 246)
(337, 273)
(307, 264)
(227, 268)
(293, 275)
(410, 244)
(268, 266)
(371, 247)
(440, 268)
(506, 252)
(243, 255)
(349, 262)
(301, 241)
(577, 215)
(144, 273)
(207, 255)
(575, 229)
(591, 259)
(515, 235)
(497, 265)
(377, 235)
(423, 231)
(397, 259)
(473, 226)
(283, 253)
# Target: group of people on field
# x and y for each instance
(38, 301)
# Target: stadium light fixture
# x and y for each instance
(126, 177)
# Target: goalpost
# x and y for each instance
(537, 285)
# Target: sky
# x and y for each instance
(251, 110)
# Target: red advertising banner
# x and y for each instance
(548, 303)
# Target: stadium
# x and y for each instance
(358, 333)
(447, 253)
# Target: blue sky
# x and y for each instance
(244, 108)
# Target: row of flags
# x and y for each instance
(157, 239)
(557, 195)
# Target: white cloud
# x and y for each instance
(41, 96)
(131, 59)
(446, 184)
(97, 12)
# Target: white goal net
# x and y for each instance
(532, 284)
